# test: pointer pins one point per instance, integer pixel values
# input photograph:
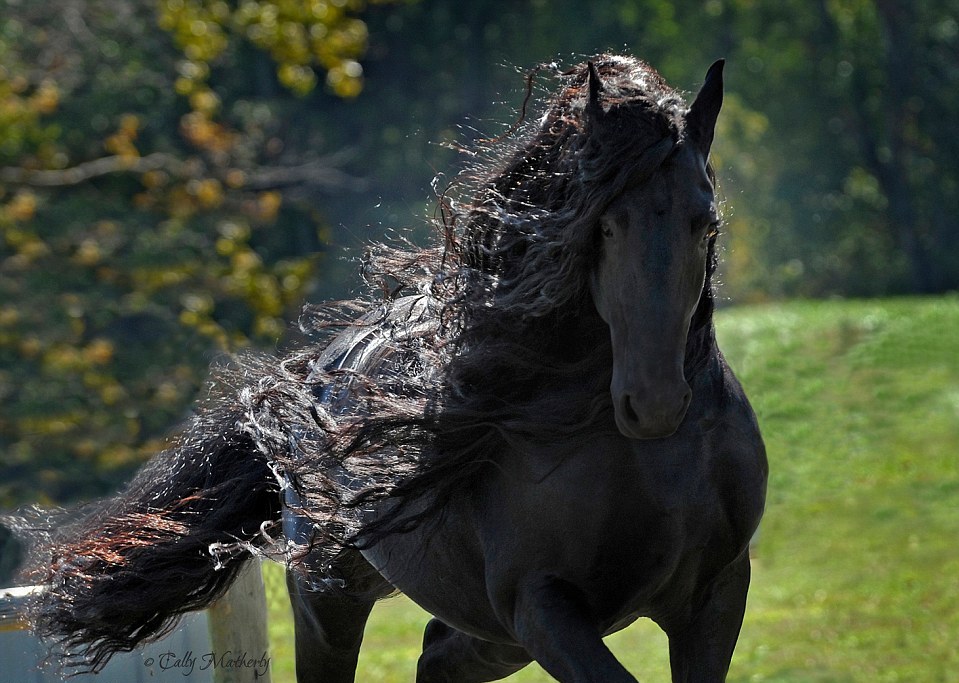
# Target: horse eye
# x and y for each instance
(711, 231)
(606, 226)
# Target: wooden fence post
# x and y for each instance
(238, 630)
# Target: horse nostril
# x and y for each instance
(687, 398)
(656, 419)
(628, 411)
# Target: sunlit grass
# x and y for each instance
(856, 577)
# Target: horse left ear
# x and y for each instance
(594, 110)
(701, 117)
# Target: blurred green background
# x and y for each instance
(178, 176)
(855, 567)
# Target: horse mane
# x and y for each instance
(507, 350)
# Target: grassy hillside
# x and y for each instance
(856, 576)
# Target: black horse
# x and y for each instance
(533, 434)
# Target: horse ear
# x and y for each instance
(594, 110)
(701, 117)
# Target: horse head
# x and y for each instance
(656, 237)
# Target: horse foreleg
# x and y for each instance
(552, 622)
(701, 649)
(451, 656)
(329, 623)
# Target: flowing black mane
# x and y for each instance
(506, 329)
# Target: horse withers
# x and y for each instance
(535, 436)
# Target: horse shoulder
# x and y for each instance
(734, 452)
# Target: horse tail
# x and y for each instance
(172, 542)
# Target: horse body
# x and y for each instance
(540, 445)
(564, 542)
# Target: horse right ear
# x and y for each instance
(702, 115)
(594, 110)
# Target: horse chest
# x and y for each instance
(637, 525)
(608, 499)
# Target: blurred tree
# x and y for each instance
(855, 167)
(159, 189)
(832, 166)
(901, 62)
(156, 207)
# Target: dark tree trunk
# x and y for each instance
(897, 23)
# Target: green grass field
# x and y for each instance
(856, 575)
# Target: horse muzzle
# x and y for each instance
(651, 414)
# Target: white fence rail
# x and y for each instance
(227, 643)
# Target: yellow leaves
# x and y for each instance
(148, 281)
(154, 182)
(268, 292)
(51, 424)
(129, 126)
(207, 191)
(269, 327)
(265, 207)
(30, 347)
(234, 230)
(15, 216)
(154, 179)
(88, 253)
(192, 78)
(94, 312)
(63, 357)
(232, 237)
(112, 393)
(197, 26)
(235, 179)
(121, 455)
(268, 206)
(298, 34)
(22, 105)
(46, 98)
(9, 316)
(16, 84)
(345, 79)
(22, 207)
(205, 101)
(205, 133)
(98, 352)
(202, 321)
(246, 262)
(182, 200)
(96, 245)
(863, 186)
(197, 302)
(299, 78)
(121, 143)
(168, 392)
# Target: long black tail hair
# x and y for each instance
(131, 565)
